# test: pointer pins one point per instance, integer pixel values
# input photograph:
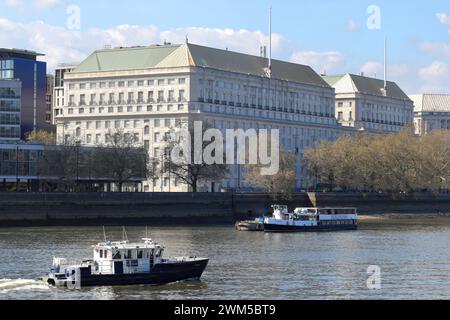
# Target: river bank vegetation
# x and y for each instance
(394, 163)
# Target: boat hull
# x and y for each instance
(250, 226)
(293, 228)
(161, 274)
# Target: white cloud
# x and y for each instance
(435, 78)
(63, 45)
(443, 18)
(352, 26)
(436, 72)
(236, 40)
(436, 48)
(372, 68)
(27, 4)
(19, 4)
(46, 4)
(321, 62)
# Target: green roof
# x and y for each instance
(331, 80)
(184, 55)
(362, 84)
(125, 58)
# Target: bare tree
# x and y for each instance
(189, 172)
(279, 186)
(122, 158)
(395, 163)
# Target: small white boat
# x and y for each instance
(311, 219)
(125, 263)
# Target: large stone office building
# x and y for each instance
(431, 112)
(369, 104)
(148, 91)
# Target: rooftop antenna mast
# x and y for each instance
(269, 71)
(385, 65)
(104, 233)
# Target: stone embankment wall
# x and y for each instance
(38, 209)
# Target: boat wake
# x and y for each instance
(22, 284)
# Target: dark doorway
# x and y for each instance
(118, 267)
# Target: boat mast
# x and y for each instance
(104, 233)
(124, 234)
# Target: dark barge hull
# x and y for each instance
(160, 274)
(285, 228)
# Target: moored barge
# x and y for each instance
(311, 219)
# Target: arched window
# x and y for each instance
(147, 130)
(78, 132)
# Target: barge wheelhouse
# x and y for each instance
(311, 219)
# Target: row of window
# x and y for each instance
(9, 93)
(120, 109)
(130, 124)
(258, 90)
(10, 118)
(9, 132)
(130, 98)
(9, 106)
(129, 83)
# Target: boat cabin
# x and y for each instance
(126, 258)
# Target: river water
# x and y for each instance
(413, 259)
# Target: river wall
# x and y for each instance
(46, 209)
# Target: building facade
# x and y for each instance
(431, 112)
(364, 104)
(10, 105)
(149, 91)
(49, 99)
(58, 89)
(23, 65)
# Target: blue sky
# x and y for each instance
(331, 36)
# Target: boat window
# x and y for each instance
(132, 263)
(128, 255)
(117, 255)
(101, 253)
(139, 255)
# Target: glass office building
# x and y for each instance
(23, 65)
(10, 108)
